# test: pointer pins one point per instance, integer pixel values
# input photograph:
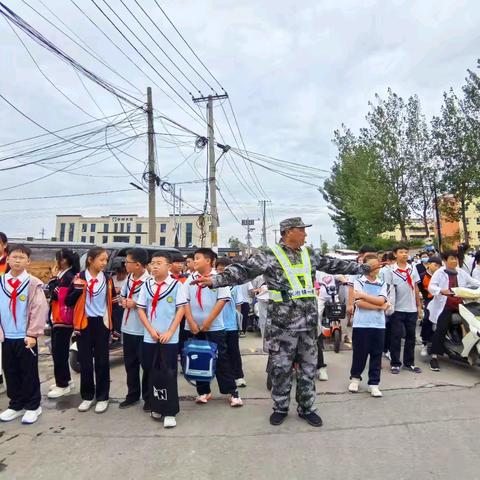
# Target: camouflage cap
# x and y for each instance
(294, 222)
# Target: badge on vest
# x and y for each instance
(22, 297)
(169, 299)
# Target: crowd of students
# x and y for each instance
(158, 309)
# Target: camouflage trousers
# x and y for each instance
(284, 350)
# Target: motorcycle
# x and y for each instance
(462, 341)
(335, 311)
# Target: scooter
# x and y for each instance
(333, 314)
(462, 342)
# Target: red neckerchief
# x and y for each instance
(409, 278)
(91, 286)
(14, 284)
(135, 284)
(155, 299)
(199, 292)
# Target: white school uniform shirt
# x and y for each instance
(96, 306)
(405, 295)
(12, 329)
(210, 296)
(172, 296)
(132, 325)
(438, 282)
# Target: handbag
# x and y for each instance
(66, 313)
(163, 385)
(199, 361)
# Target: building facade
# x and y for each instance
(132, 229)
(415, 230)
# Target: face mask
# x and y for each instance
(424, 260)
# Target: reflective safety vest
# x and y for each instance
(293, 274)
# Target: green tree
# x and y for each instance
(236, 244)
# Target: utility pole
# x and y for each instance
(276, 230)
(152, 176)
(42, 233)
(212, 166)
(263, 204)
(249, 223)
(437, 213)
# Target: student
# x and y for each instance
(118, 279)
(388, 259)
(23, 314)
(475, 269)
(432, 265)
(189, 263)
(421, 265)
(67, 266)
(368, 327)
(205, 321)
(3, 254)
(230, 311)
(403, 279)
(160, 309)
(176, 268)
(132, 327)
(92, 294)
(444, 302)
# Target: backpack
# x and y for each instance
(199, 361)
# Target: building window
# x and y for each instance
(138, 240)
(115, 227)
(71, 230)
(92, 227)
(163, 227)
(83, 239)
(478, 220)
(129, 226)
(162, 241)
(84, 227)
(139, 228)
(122, 227)
(188, 234)
(121, 238)
(92, 239)
(105, 227)
(105, 239)
(478, 235)
(62, 232)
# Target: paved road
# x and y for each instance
(426, 427)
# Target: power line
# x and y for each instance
(68, 195)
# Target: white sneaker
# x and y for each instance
(240, 382)
(236, 402)
(354, 383)
(54, 385)
(86, 405)
(424, 351)
(9, 414)
(156, 416)
(58, 392)
(202, 399)
(101, 407)
(169, 422)
(387, 355)
(375, 391)
(31, 416)
(322, 374)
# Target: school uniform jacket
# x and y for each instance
(56, 285)
(77, 298)
(37, 308)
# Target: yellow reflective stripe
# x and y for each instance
(278, 251)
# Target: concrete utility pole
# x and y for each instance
(152, 176)
(212, 187)
(276, 230)
(263, 204)
(249, 223)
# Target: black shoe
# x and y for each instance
(434, 365)
(312, 418)
(147, 407)
(277, 418)
(128, 402)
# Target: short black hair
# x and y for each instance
(450, 253)
(20, 248)
(366, 249)
(160, 254)
(177, 257)
(139, 255)
(3, 238)
(225, 261)
(477, 256)
(207, 252)
(400, 246)
(191, 256)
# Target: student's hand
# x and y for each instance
(78, 283)
(359, 295)
(203, 282)
(30, 342)
(385, 306)
(447, 292)
(165, 337)
(206, 327)
(350, 310)
(195, 329)
(123, 302)
(154, 334)
(130, 303)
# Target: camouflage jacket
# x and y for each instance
(298, 315)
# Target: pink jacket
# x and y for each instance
(37, 309)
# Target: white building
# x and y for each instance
(132, 229)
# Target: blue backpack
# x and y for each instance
(199, 359)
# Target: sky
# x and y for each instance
(294, 71)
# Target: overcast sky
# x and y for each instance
(295, 71)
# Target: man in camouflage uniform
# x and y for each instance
(291, 330)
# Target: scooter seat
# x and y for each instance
(473, 307)
(456, 319)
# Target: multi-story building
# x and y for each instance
(132, 229)
(415, 230)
